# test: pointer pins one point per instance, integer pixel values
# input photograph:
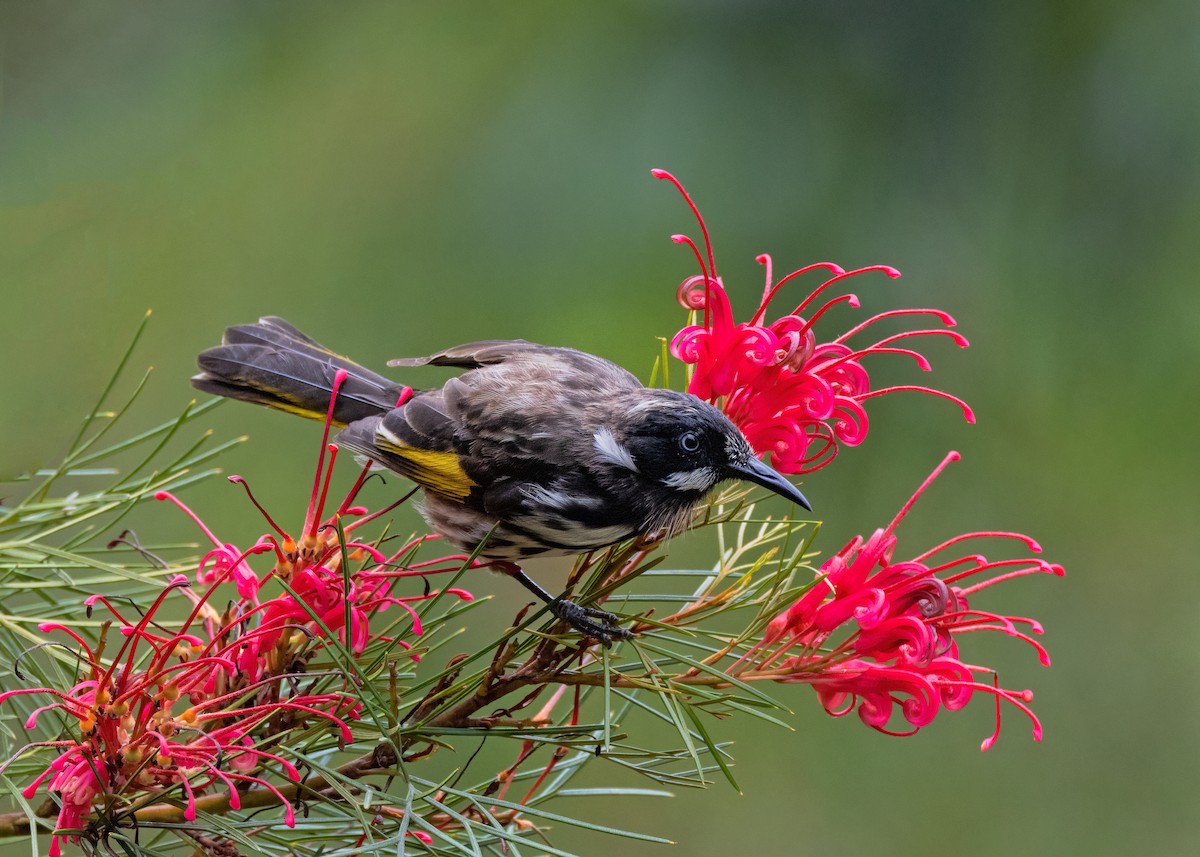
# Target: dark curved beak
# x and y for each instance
(753, 470)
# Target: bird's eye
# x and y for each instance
(689, 442)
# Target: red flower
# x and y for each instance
(169, 711)
(792, 396)
(77, 783)
(188, 706)
(322, 596)
(874, 633)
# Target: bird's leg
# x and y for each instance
(587, 620)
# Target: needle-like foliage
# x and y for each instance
(311, 692)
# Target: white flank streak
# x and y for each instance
(575, 535)
(380, 431)
(700, 479)
(612, 452)
(547, 497)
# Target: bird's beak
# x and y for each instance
(753, 470)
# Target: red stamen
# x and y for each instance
(1038, 567)
(235, 802)
(683, 239)
(958, 338)
(1011, 631)
(91, 602)
(167, 495)
(288, 767)
(353, 525)
(849, 298)
(358, 484)
(968, 414)
(289, 816)
(922, 362)
(25, 691)
(836, 278)
(945, 318)
(262, 547)
(333, 451)
(708, 280)
(238, 480)
(46, 627)
(663, 174)
(837, 272)
(1012, 697)
(950, 456)
(764, 259)
(189, 806)
(176, 582)
(983, 534)
(311, 519)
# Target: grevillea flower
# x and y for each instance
(877, 634)
(185, 707)
(324, 593)
(170, 710)
(791, 395)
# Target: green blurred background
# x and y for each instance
(394, 178)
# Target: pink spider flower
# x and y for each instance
(150, 722)
(77, 782)
(183, 707)
(877, 634)
(324, 595)
(791, 395)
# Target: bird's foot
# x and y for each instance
(587, 620)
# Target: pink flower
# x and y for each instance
(189, 706)
(878, 634)
(792, 396)
(321, 598)
(77, 783)
(168, 712)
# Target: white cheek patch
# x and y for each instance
(700, 479)
(610, 450)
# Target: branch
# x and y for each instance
(378, 761)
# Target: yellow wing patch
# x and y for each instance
(288, 407)
(435, 471)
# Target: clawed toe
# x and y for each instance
(589, 621)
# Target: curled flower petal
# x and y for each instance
(881, 636)
(775, 378)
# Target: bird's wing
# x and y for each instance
(472, 355)
(525, 414)
(415, 440)
(505, 353)
(419, 441)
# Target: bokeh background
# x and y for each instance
(394, 178)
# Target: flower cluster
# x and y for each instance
(218, 687)
(791, 395)
(171, 709)
(191, 706)
(874, 633)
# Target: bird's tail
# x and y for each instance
(271, 363)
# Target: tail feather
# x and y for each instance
(272, 363)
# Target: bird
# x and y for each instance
(533, 450)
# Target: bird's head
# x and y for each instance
(685, 445)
